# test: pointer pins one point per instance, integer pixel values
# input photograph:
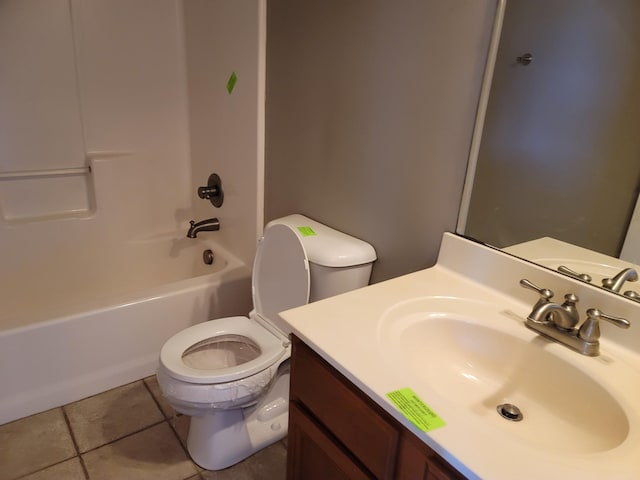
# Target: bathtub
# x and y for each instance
(97, 320)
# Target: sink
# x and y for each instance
(477, 357)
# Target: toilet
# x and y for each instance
(231, 375)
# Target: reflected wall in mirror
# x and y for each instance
(559, 151)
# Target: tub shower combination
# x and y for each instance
(101, 323)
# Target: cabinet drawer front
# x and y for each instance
(338, 405)
(313, 456)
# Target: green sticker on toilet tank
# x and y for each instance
(306, 231)
(415, 410)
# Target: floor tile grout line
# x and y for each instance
(170, 420)
(175, 432)
(197, 476)
(75, 442)
(105, 391)
(44, 468)
(156, 401)
(71, 434)
(184, 447)
(84, 468)
(151, 425)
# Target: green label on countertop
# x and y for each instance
(415, 410)
(306, 231)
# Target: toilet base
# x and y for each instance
(223, 438)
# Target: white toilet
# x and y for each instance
(232, 374)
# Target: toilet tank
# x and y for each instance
(338, 262)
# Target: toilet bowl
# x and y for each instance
(231, 375)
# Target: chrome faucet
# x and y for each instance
(559, 321)
(208, 225)
(615, 284)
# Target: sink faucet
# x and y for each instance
(559, 321)
(208, 225)
(563, 317)
(625, 275)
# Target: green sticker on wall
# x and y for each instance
(415, 410)
(306, 231)
(231, 83)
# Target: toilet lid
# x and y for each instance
(220, 351)
(280, 272)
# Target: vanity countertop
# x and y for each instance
(351, 331)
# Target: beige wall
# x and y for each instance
(370, 110)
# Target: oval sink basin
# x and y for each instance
(479, 367)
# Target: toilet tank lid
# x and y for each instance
(326, 246)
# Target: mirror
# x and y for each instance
(554, 170)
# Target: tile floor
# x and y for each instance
(128, 433)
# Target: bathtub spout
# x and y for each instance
(208, 225)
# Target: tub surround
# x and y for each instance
(348, 332)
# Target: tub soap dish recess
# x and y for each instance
(213, 191)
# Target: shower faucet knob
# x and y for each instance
(207, 192)
(212, 191)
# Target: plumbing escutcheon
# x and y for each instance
(207, 256)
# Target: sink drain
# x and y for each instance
(510, 412)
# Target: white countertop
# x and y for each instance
(349, 332)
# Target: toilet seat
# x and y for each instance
(280, 281)
(272, 348)
(193, 372)
(192, 398)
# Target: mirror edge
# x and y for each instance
(476, 138)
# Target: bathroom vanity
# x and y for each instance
(454, 336)
(358, 440)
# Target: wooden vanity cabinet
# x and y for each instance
(336, 432)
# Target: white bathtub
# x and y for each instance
(81, 327)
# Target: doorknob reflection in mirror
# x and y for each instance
(525, 59)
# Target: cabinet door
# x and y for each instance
(438, 471)
(313, 455)
(353, 419)
(417, 461)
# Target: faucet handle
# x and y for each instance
(633, 295)
(585, 277)
(545, 293)
(212, 191)
(590, 329)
